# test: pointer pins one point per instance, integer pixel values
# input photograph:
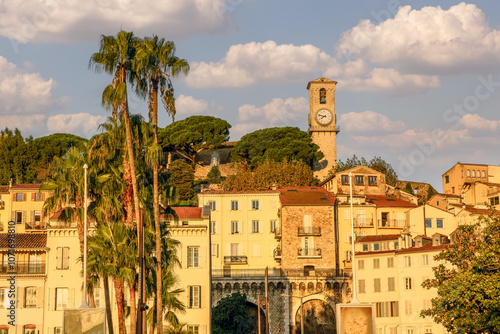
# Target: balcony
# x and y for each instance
(277, 254)
(277, 232)
(23, 268)
(392, 223)
(35, 226)
(279, 272)
(309, 231)
(236, 259)
(309, 252)
(2, 205)
(363, 222)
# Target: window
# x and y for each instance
(345, 179)
(376, 247)
(35, 263)
(255, 226)
(213, 205)
(194, 329)
(376, 285)
(193, 256)
(272, 204)
(428, 331)
(30, 297)
(235, 249)
(37, 196)
(365, 247)
(58, 330)
(372, 180)
(272, 224)
(427, 304)
(347, 214)
(322, 96)
(473, 173)
(408, 283)
(348, 256)
(407, 261)
(447, 179)
(408, 309)
(29, 329)
(19, 197)
(4, 331)
(359, 180)
(4, 297)
(256, 250)
(390, 262)
(234, 205)
(391, 286)
(97, 297)
(361, 264)
(483, 174)
(361, 286)
(19, 217)
(428, 222)
(387, 309)
(213, 227)
(468, 172)
(409, 331)
(494, 200)
(234, 227)
(255, 205)
(61, 298)
(396, 245)
(194, 296)
(376, 263)
(439, 223)
(215, 250)
(425, 260)
(62, 258)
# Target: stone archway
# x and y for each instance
(319, 318)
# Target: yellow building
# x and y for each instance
(192, 231)
(456, 176)
(428, 219)
(243, 227)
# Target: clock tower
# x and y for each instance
(323, 127)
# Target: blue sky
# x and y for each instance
(418, 82)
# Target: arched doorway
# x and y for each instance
(319, 318)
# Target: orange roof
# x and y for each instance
(216, 192)
(382, 237)
(384, 202)
(26, 186)
(306, 196)
(425, 248)
(188, 212)
(24, 240)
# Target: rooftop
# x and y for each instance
(306, 196)
(384, 201)
(188, 212)
(382, 237)
(24, 241)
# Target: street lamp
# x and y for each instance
(301, 307)
(84, 300)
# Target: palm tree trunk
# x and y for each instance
(107, 301)
(128, 195)
(153, 323)
(133, 309)
(118, 284)
(90, 296)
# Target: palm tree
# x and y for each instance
(155, 62)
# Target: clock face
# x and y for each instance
(324, 117)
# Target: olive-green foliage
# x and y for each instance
(194, 134)
(468, 286)
(214, 175)
(430, 192)
(276, 144)
(376, 163)
(268, 173)
(408, 188)
(182, 178)
(231, 316)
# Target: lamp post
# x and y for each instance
(301, 307)
(353, 240)
(84, 300)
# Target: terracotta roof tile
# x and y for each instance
(24, 241)
(216, 192)
(384, 202)
(381, 237)
(26, 186)
(306, 196)
(188, 212)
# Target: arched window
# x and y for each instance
(468, 172)
(484, 174)
(322, 96)
(478, 173)
(215, 159)
(473, 173)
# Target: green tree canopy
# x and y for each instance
(231, 316)
(468, 288)
(376, 163)
(276, 144)
(268, 173)
(182, 178)
(193, 134)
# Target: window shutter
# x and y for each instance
(65, 259)
(250, 227)
(25, 196)
(43, 196)
(229, 205)
(188, 295)
(14, 197)
(308, 222)
(39, 297)
(13, 216)
(261, 226)
(71, 298)
(240, 249)
(203, 257)
(20, 297)
(199, 296)
(58, 258)
(24, 217)
(32, 217)
(181, 259)
(229, 227)
(228, 249)
(311, 243)
(33, 196)
(51, 300)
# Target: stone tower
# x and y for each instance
(323, 123)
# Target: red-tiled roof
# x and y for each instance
(4, 189)
(188, 212)
(24, 241)
(423, 237)
(381, 237)
(26, 186)
(384, 202)
(216, 192)
(426, 248)
(306, 196)
(478, 211)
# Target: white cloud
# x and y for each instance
(251, 63)
(188, 105)
(82, 124)
(70, 20)
(22, 92)
(474, 121)
(369, 121)
(27, 124)
(429, 40)
(277, 113)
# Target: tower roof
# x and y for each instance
(321, 80)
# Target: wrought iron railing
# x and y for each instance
(394, 223)
(280, 272)
(310, 230)
(363, 222)
(309, 252)
(23, 267)
(236, 259)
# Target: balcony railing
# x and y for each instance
(277, 232)
(309, 252)
(312, 230)
(363, 222)
(29, 226)
(277, 254)
(236, 259)
(392, 223)
(279, 272)
(23, 267)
